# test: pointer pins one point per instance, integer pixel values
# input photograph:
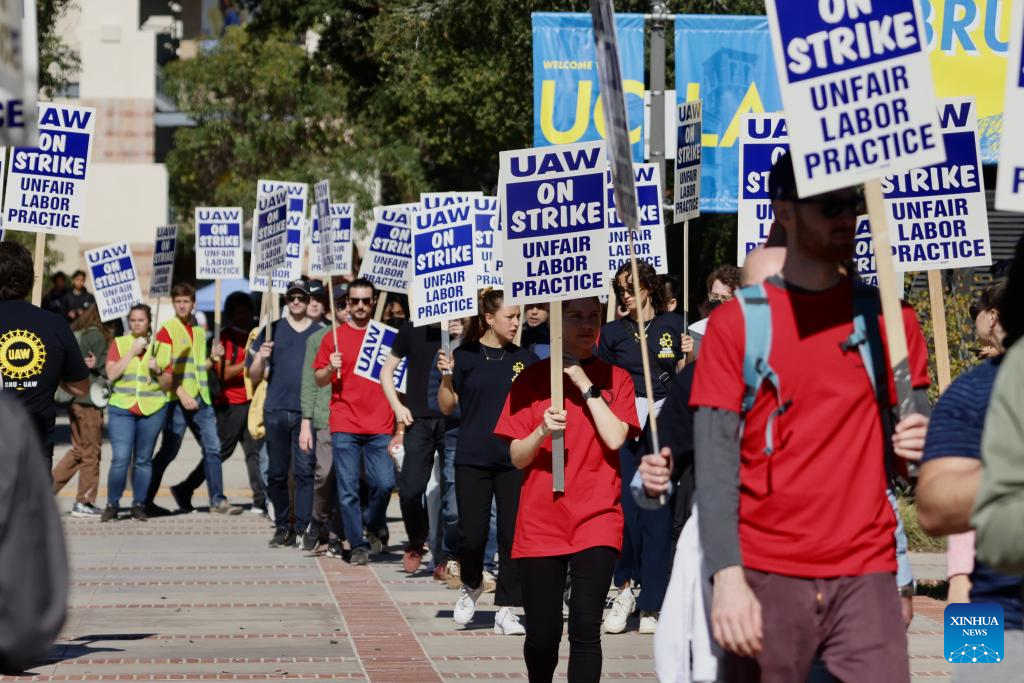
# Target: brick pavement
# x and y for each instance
(198, 597)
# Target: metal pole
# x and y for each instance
(657, 133)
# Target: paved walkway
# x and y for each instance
(199, 597)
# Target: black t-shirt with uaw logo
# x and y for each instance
(37, 352)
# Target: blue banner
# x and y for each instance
(566, 104)
(727, 62)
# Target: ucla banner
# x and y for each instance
(566, 97)
(727, 62)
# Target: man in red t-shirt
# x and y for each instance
(361, 422)
(800, 542)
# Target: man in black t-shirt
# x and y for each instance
(78, 297)
(38, 351)
(420, 428)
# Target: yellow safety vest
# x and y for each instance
(188, 355)
(137, 386)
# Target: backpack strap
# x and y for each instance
(867, 338)
(757, 370)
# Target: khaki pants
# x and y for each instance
(84, 456)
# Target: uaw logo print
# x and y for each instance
(517, 367)
(666, 346)
(22, 357)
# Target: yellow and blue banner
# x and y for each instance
(566, 96)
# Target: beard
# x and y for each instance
(831, 243)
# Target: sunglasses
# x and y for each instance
(833, 206)
(365, 300)
(298, 297)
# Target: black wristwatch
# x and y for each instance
(592, 392)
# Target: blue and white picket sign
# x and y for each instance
(486, 233)
(342, 216)
(219, 242)
(649, 238)
(270, 241)
(552, 205)
(47, 185)
(937, 214)
(164, 248)
(324, 257)
(432, 200)
(763, 139)
(864, 255)
(291, 269)
(1010, 177)
(857, 89)
(115, 282)
(388, 259)
(689, 149)
(374, 352)
(443, 270)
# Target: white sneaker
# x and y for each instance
(465, 606)
(623, 605)
(648, 622)
(506, 623)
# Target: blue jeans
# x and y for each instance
(284, 454)
(372, 451)
(447, 536)
(203, 425)
(490, 564)
(131, 434)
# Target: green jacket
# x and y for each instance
(92, 341)
(316, 401)
(999, 507)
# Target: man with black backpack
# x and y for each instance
(795, 524)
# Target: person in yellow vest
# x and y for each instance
(140, 375)
(189, 404)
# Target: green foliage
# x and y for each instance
(963, 343)
(260, 113)
(57, 61)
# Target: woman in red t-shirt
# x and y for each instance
(578, 532)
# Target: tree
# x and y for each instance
(57, 61)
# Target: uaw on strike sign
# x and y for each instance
(218, 242)
(444, 276)
(649, 237)
(856, 87)
(115, 282)
(46, 185)
(387, 260)
(553, 209)
(763, 139)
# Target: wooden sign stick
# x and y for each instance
(557, 398)
(216, 310)
(612, 300)
(271, 306)
(37, 267)
(382, 302)
(938, 304)
(334, 318)
(686, 272)
(892, 310)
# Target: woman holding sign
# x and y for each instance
(577, 533)
(647, 545)
(483, 370)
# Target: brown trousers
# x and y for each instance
(854, 623)
(84, 456)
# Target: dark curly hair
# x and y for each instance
(649, 280)
(730, 276)
(16, 272)
(1011, 304)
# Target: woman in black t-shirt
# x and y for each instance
(647, 542)
(482, 371)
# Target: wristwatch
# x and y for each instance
(592, 392)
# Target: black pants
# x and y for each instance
(232, 428)
(543, 578)
(424, 440)
(475, 487)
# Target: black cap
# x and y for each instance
(318, 291)
(782, 180)
(340, 291)
(300, 285)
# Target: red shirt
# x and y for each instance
(358, 405)
(817, 507)
(589, 513)
(232, 391)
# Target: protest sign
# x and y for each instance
(270, 238)
(322, 224)
(374, 352)
(1010, 177)
(19, 73)
(115, 282)
(443, 272)
(47, 185)
(864, 255)
(688, 161)
(486, 248)
(553, 211)
(164, 248)
(649, 237)
(291, 269)
(857, 89)
(317, 240)
(937, 214)
(763, 139)
(341, 232)
(432, 200)
(219, 242)
(388, 259)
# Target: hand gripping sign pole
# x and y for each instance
(621, 161)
